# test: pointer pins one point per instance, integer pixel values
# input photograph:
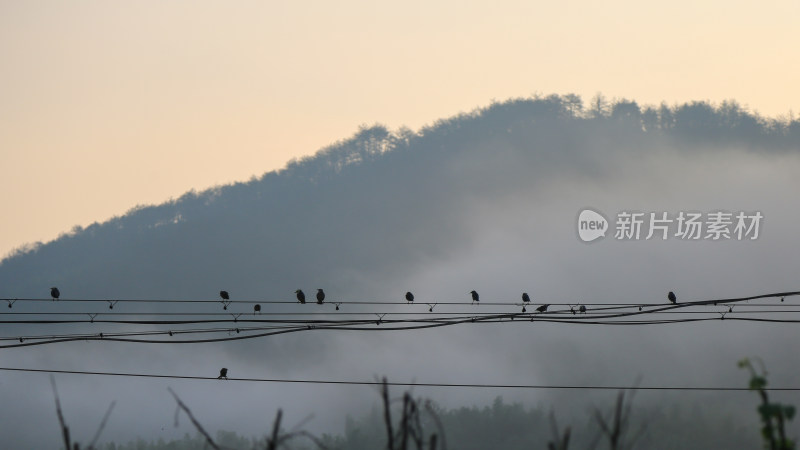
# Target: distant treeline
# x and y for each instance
(511, 426)
(721, 123)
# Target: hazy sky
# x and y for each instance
(105, 105)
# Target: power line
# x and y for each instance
(563, 316)
(370, 326)
(302, 324)
(613, 315)
(589, 312)
(171, 332)
(419, 301)
(22, 342)
(328, 301)
(409, 384)
(102, 335)
(496, 318)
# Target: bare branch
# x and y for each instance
(102, 425)
(432, 443)
(559, 442)
(194, 421)
(64, 427)
(304, 434)
(387, 415)
(404, 423)
(439, 426)
(272, 442)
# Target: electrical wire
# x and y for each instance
(372, 327)
(408, 384)
(607, 315)
(360, 302)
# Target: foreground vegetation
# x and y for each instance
(505, 425)
(404, 423)
(511, 426)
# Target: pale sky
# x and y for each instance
(106, 105)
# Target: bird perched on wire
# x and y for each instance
(409, 297)
(582, 309)
(320, 296)
(525, 298)
(226, 299)
(257, 309)
(223, 373)
(475, 296)
(672, 298)
(54, 292)
(301, 297)
(542, 308)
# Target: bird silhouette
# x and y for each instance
(582, 309)
(223, 373)
(54, 292)
(475, 296)
(525, 297)
(226, 299)
(257, 309)
(672, 298)
(301, 297)
(320, 296)
(409, 297)
(542, 308)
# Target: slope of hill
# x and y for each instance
(379, 201)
